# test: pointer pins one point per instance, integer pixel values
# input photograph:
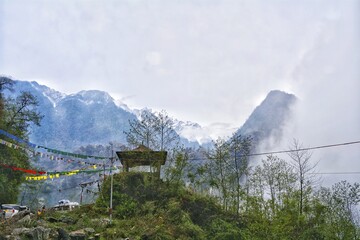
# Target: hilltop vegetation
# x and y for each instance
(153, 209)
(145, 208)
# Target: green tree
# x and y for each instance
(16, 116)
(217, 169)
(279, 179)
(342, 213)
(178, 167)
(272, 206)
(239, 148)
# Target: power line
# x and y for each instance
(339, 173)
(304, 149)
(288, 151)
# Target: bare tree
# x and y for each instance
(22, 111)
(154, 130)
(142, 131)
(304, 169)
(165, 130)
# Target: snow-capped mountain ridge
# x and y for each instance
(90, 97)
(94, 117)
(52, 95)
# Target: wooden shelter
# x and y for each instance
(142, 156)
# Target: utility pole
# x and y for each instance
(111, 185)
(81, 196)
(104, 169)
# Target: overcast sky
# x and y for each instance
(207, 61)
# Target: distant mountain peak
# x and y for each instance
(93, 96)
(278, 96)
(269, 117)
(52, 95)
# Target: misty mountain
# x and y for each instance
(71, 121)
(93, 117)
(191, 131)
(85, 118)
(269, 118)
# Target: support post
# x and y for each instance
(111, 184)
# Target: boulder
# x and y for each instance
(89, 231)
(19, 215)
(20, 231)
(52, 220)
(67, 220)
(25, 220)
(41, 233)
(101, 222)
(78, 235)
(38, 233)
(63, 235)
(95, 237)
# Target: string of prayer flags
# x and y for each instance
(38, 178)
(32, 145)
(17, 139)
(12, 145)
(72, 172)
(29, 171)
(9, 144)
(34, 149)
(52, 175)
(88, 183)
(56, 173)
(50, 150)
(69, 160)
(90, 191)
(81, 156)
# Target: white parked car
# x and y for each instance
(66, 205)
(9, 210)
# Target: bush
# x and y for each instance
(126, 206)
(221, 229)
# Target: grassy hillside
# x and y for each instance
(143, 208)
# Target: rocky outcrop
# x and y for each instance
(38, 233)
(82, 234)
(78, 235)
(42, 233)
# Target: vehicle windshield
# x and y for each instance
(4, 206)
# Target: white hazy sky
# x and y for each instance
(207, 61)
